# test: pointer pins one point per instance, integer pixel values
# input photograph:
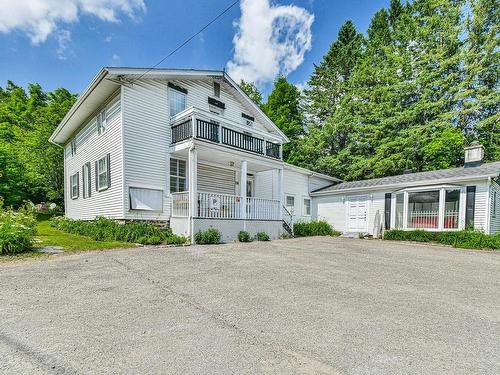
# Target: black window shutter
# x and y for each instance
(388, 200)
(470, 202)
(89, 180)
(83, 182)
(108, 163)
(77, 184)
(96, 177)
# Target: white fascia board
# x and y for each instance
(97, 79)
(429, 183)
(147, 72)
(310, 173)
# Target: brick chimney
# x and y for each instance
(474, 155)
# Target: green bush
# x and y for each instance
(244, 236)
(17, 230)
(467, 239)
(208, 237)
(262, 236)
(176, 240)
(103, 229)
(314, 228)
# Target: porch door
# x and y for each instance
(357, 210)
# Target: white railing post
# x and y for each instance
(243, 189)
(406, 216)
(442, 199)
(193, 126)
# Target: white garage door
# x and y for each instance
(357, 212)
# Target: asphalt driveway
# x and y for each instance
(308, 306)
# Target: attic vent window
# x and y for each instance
(247, 119)
(217, 89)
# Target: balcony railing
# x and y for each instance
(212, 130)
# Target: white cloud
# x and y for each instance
(63, 41)
(108, 39)
(271, 40)
(40, 18)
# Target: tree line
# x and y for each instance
(409, 95)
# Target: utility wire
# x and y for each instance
(189, 39)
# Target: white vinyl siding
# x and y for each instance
(146, 141)
(495, 208)
(216, 179)
(90, 148)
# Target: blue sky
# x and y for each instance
(65, 45)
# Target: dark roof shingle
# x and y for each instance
(485, 169)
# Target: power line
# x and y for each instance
(189, 39)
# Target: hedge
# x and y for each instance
(466, 239)
(314, 228)
(103, 229)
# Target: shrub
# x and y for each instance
(262, 236)
(103, 229)
(244, 236)
(466, 239)
(174, 239)
(314, 228)
(17, 230)
(207, 237)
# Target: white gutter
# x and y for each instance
(402, 185)
(97, 79)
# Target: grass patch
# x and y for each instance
(465, 239)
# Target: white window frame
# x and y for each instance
(305, 206)
(74, 183)
(495, 198)
(172, 92)
(177, 176)
(100, 173)
(144, 205)
(87, 180)
(217, 89)
(73, 147)
(288, 207)
(101, 121)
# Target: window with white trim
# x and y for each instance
(103, 173)
(177, 175)
(307, 207)
(101, 122)
(290, 202)
(75, 189)
(86, 180)
(177, 100)
(73, 147)
(146, 199)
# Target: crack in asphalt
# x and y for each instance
(312, 365)
(45, 360)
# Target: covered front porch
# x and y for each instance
(214, 187)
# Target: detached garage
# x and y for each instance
(446, 199)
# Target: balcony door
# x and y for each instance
(357, 213)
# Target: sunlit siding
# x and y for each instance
(146, 141)
(495, 219)
(90, 147)
(332, 209)
(199, 91)
(214, 179)
(316, 183)
(481, 206)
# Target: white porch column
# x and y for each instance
(442, 199)
(243, 189)
(405, 210)
(193, 183)
(281, 193)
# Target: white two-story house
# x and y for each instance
(187, 147)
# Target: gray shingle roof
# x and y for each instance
(486, 169)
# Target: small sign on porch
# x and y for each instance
(214, 203)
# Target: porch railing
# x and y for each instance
(219, 206)
(423, 219)
(450, 219)
(182, 131)
(263, 209)
(180, 204)
(242, 141)
(207, 130)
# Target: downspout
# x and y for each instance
(192, 198)
(488, 208)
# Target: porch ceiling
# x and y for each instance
(227, 157)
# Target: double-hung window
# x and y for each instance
(177, 175)
(103, 175)
(86, 180)
(290, 202)
(177, 99)
(307, 207)
(73, 147)
(101, 122)
(75, 189)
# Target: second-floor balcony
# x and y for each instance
(199, 124)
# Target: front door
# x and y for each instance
(357, 212)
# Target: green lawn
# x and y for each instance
(48, 236)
